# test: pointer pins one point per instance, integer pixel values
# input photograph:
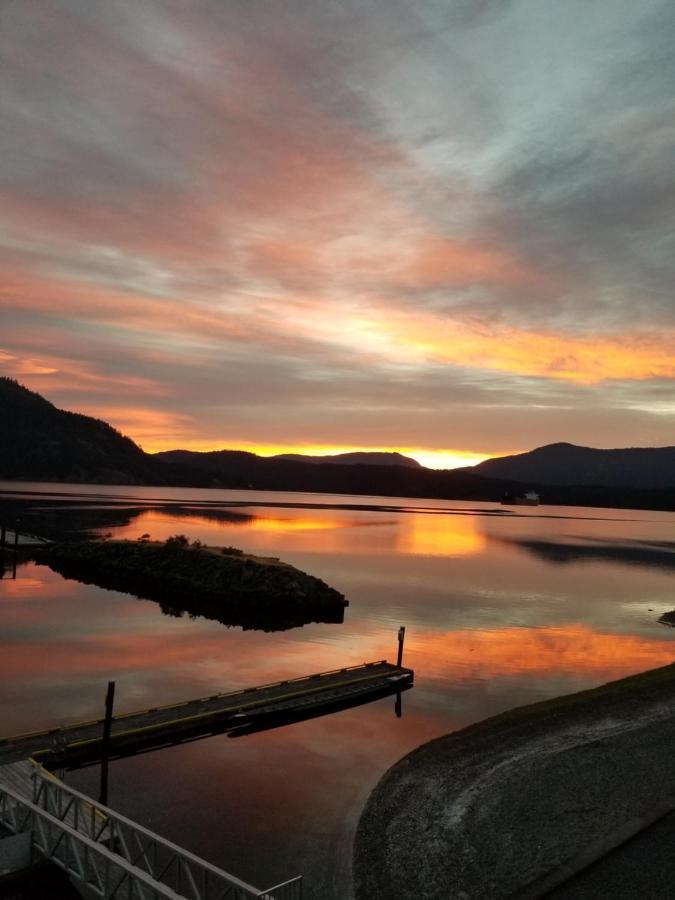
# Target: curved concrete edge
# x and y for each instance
(375, 844)
(595, 851)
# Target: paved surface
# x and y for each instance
(496, 809)
(643, 869)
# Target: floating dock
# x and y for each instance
(73, 746)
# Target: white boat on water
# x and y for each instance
(531, 498)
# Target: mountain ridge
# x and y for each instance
(565, 464)
(357, 457)
(45, 443)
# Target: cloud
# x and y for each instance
(362, 219)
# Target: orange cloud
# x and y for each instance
(564, 356)
(153, 429)
(54, 372)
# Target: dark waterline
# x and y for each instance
(500, 610)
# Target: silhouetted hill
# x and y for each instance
(39, 441)
(567, 464)
(365, 458)
(42, 443)
(242, 469)
(246, 470)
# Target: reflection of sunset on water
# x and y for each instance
(257, 530)
(425, 534)
(312, 520)
(546, 651)
(410, 533)
(451, 656)
(488, 627)
(286, 524)
(21, 586)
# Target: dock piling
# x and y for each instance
(105, 752)
(401, 639)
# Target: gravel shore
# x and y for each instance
(484, 812)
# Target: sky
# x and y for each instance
(445, 228)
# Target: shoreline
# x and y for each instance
(488, 811)
(665, 506)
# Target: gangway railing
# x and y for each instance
(118, 859)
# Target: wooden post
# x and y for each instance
(398, 706)
(16, 534)
(105, 749)
(401, 638)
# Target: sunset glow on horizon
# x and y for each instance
(430, 458)
(223, 232)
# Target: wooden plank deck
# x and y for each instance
(80, 743)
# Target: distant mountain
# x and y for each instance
(567, 464)
(364, 458)
(42, 443)
(246, 470)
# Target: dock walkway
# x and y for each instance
(79, 744)
(28, 779)
(111, 856)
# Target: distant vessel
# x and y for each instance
(531, 498)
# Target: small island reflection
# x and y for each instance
(221, 584)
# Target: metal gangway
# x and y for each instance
(115, 858)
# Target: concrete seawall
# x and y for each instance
(510, 806)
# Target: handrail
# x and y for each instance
(88, 860)
(67, 826)
(291, 890)
(39, 771)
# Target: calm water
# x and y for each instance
(501, 608)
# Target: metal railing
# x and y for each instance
(117, 858)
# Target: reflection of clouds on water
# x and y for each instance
(550, 651)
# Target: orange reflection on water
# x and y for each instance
(31, 582)
(425, 534)
(165, 523)
(268, 532)
(21, 586)
(120, 652)
(569, 649)
(453, 655)
(297, 523)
